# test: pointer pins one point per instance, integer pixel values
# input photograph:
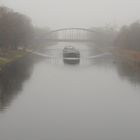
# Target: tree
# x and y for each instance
(15, 29)
(104, 36)
(129, 36)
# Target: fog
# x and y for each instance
(77, 13)
(72, 83)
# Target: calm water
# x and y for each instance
(97, 99)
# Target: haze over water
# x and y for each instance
(94, 95)
(95, 99)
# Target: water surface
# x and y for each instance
(97, 99)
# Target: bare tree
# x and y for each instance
(129, 36)
(15, 29)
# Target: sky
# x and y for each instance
(77, 13)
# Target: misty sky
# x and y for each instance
(77, 13)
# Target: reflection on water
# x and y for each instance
(95, 99)
(12, 78)
(129, 71)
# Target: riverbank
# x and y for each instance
(128, 54)
(9, 56)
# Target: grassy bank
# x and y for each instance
(9, 56)
(128, 54)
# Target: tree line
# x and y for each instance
(103, 36)
(128, 36)
(17, 30)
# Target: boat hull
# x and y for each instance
(71, 55)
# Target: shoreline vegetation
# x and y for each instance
(11, 56)
(17, 35)
(128, 55)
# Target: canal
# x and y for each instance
(47, 99)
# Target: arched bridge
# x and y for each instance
(71, 35)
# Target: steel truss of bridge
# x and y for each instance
(71, 35)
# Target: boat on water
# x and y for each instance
(71, 55)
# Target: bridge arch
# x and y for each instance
(80, 29)
(71, 34)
